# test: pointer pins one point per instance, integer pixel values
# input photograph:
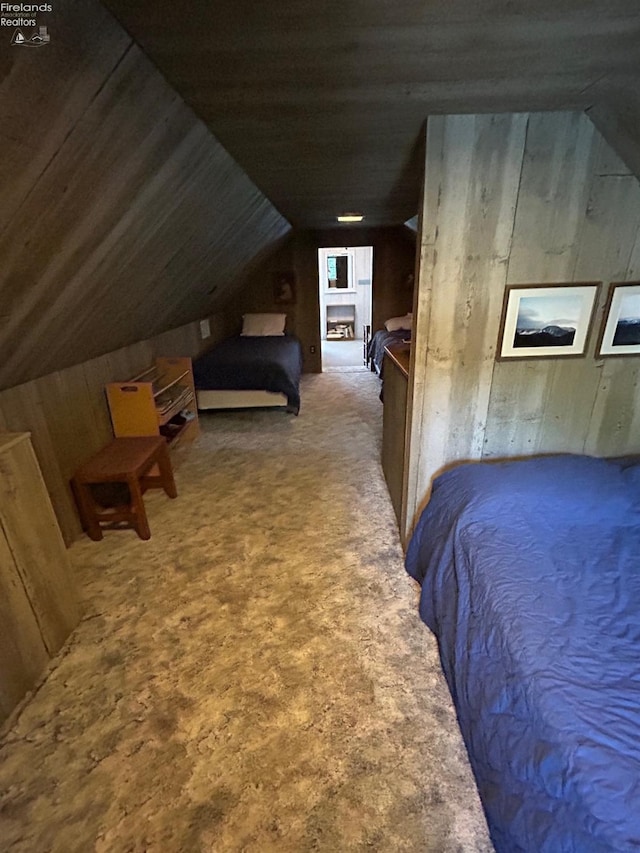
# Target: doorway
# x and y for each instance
(345, 286)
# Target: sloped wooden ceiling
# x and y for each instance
(618, 120)
(121, 216)
(323, 103)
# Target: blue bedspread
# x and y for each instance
(247, 363)
(530, 576)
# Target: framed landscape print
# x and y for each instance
(621, 328)
(546, 321)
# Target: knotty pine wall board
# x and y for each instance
(614, 425)
(617, 117)
(28, 523)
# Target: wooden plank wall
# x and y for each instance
(67, 415)
(516, 199)
(617, 117)
(121, 216)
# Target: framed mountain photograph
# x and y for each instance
(621, 327)
(546, 320)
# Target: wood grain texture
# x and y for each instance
(575, 216)
(35, 541)
(562, 151)
(617, 117)
(323, 105)
(23, 654)
(476, 163)
(394, 420)
(126, 220)
(36, 116)
(614, 425)
(597, 219)
(67, 414)
(22, 411)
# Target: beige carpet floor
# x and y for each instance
(256, 676)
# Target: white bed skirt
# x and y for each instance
(239, 399)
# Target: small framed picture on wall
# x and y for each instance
(546, 320)
(620, 334)
(284, 288)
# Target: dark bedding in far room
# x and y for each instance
(380, 340)
(247, 363)
(530, 575)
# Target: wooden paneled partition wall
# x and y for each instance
(516, 199)
(67, 415)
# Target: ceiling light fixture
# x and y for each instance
(350, 217)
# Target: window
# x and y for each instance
(338, 272)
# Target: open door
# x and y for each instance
(345, 278)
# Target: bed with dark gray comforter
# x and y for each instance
(247, 363)
(380, 340)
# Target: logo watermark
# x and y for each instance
(28, 31)
(36, 39)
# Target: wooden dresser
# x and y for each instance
(38, 603)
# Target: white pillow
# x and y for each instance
(263, 325)
(396, 323)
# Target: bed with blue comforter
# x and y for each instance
(530, 576)
(253, 363)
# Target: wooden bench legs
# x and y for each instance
(140, 463)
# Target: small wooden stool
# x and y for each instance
(124, 460)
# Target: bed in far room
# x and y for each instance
(530, 575)
(397, 330)
(261, 367)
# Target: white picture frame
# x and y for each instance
(620, 334)
(546, 320)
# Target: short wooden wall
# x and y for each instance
(67, 415)
(520, 198)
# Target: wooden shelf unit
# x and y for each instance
(341, 322)
(151, 403)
